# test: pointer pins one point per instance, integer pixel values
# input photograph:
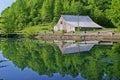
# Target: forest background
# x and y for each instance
(44, 14)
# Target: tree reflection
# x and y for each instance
(47, 59)
(2, 66)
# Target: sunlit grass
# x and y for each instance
(42, 29)
(117, 30)
(39, 29)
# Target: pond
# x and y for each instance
(25, 59)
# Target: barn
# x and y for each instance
(71, 23)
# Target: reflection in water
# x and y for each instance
(34, 60)
(71, 46)
(2, 61)
(13, 73)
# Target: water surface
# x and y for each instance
(25, 59)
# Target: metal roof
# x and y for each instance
(84, 21)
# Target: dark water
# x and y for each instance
(24, 59)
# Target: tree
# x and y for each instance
(66, 7)
(24, 13)
(114, 13)
(58, 8)
(47, 10)
(76, 8)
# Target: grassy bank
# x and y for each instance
(41, 29)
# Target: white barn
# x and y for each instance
(70, 23)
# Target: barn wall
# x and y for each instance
(58, 26)
(64, 26)
(70, 28)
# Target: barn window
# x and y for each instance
(61, 22)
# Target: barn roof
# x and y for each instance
(84, 21)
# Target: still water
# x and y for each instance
(25, 59)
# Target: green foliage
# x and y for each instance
(47, 59)
(58, 8)
(39, 29)
(116, 58)
(76, 8)
(47, 10)
(24, 13)
(114, 13)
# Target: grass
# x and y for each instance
(104, 29)
(117, 30)
(39, 29)
(42, 29)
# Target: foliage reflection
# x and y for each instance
(46, 58)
